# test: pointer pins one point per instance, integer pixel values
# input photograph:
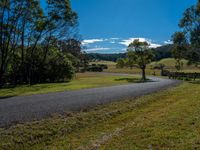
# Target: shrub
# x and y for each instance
(95, 69)
(103, 66)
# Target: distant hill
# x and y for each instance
(160, 53)
(163, 52)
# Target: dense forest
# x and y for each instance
(38, 44)
(163, 52)
(160, 53)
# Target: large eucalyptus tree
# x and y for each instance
(141, 54)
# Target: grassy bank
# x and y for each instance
(165, 120)
(81, 81)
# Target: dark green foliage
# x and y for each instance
(120, 63)
(56, 67)
(139, 55)
(163, 52)
(105, 57)
(103, 66)
(161, 67)
(179, 48)
(96, 68)
(190, 25)
(183, 75)
(37, 44)
(72, 48)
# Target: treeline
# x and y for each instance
(37, 44)
(160, 53)
(105, 57)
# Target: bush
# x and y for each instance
(59, 68)
(95, 69)
(120, 63)
(165, 73)
(103, 66)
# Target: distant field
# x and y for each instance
(165, 120)
(169, 63)
(81, 81)
(104, 62)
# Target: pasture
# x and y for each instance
(80, 81)
(168, 62)
(164, 120)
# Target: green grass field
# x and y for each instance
(169, 63)
(81, 81)
(165, 120)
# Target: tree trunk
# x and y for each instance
(143, 74)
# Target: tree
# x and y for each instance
(72, 48)
(130, 60)
(161, 67)
(179, 48)
(120, 63)
(10, 15)
(141, 54)
(191, 27)
(27, 33)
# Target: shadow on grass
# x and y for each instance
(195, 82)
(133, 80)
(5, 97)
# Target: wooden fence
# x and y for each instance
(180, 75)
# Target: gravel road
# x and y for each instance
(28, 108)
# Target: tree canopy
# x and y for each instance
(32, 40)
(179, 48)
(190, 34)
(138, 54)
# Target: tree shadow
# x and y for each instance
(195, 82)
(5, 97)
(132, 80)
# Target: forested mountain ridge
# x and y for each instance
(164, 51)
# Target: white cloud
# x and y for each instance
(153, 45)
(150, 42)
(97, 49)
(168, 42)
(114, 38)
(90, 41)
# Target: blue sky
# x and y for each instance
(108, 26)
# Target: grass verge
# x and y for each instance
(165, 120)
(81, 81)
